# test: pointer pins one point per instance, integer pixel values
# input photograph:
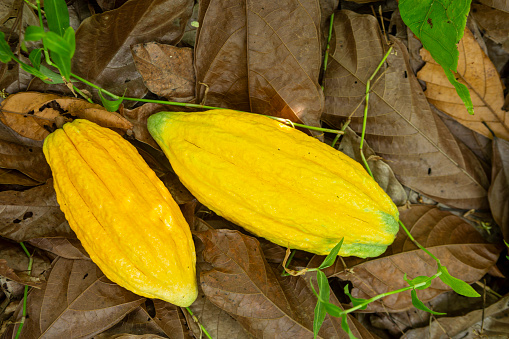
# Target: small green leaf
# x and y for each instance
(333, 310)
(5, 51)
(57, 15)
(461, 89)
(459, 286)
(52, 77)
(355, 301)
(63, 64)
(70, 37)
(57, 44)
(34, 33)
(110, 105)
(418, 280)
(35, 58)
(331, 258)
(345, 327)
(319, 318)
(33, 71)
(420, 305)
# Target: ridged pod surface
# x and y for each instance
(277, 182)
(122, 213)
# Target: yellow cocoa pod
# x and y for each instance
(122, 213)
(277, 182)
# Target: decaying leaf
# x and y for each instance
(493, 319)
(401, 128)
(14, 177)
(68, 248)
(103, 41)
(33, 213)
(498, 195)
(457, 244)
(166, 70)
(242, 283)
(495, 23)
(261, 56)
(502, 5)
(483, 81)
(34, 115)
(382, 172)
(28, 160)
(77, 299)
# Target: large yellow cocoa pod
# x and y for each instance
(277, 182)
(122, 213)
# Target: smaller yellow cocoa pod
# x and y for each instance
(277, 182)
(124, 216)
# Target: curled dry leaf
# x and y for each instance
(382, 172)
(242, 283)
(401, 128)
(28, 160)
(33, 213)
(154, 317)
(456, 243)
(261, 56)
(68, 248)
(103, 41)
(78, 301)
(166, 70)
(477, 72)
(34, 115)
(498, 195)
(14, 177)
(494, 320)
(502, 5)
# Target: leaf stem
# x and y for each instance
(199, 324)
(417, 243)
(25, 293)
(326, 58)
(365, 119)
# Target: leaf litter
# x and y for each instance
(262, 57)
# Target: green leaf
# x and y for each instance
(440, 24)
(63, 64)
(57, 15)
(33, 71)
(70, 37)
(57, 44)
(5, 50)
(319, 318)
(35, 58)
(110, 105)
(345, 327)
(355, 301)
(418, 280)
(34, 33)
(329, 260)
(459, 286)
(52, 77)
(420, 305)
(333, 310)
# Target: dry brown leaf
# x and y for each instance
(33, 115)
(78, 301)
(14, 265)
(14, 177)
(63, 247)
(33, 213)
(495, 23)
(28, 160)
(475, 70)
(154, 317)
(457, 244)
(382, 172)
(498, 195)
(261, 56)
(494, 319)
(166, 70)
(242, 283)
(401, 128)
(502, 5)
(103, 41)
